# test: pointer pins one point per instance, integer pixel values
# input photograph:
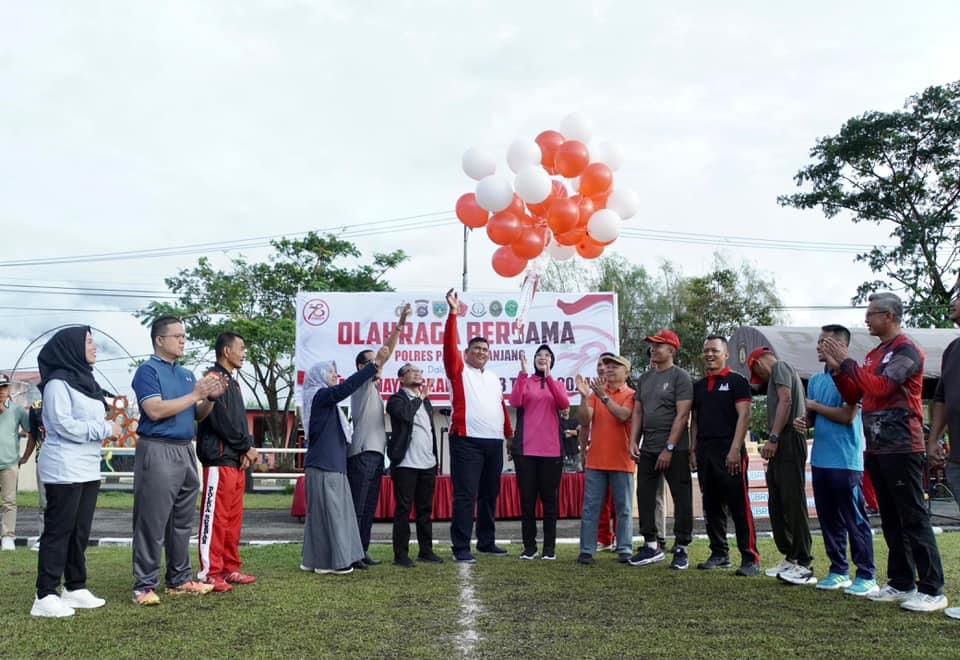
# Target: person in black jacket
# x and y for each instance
(412, 449)
(225, 449)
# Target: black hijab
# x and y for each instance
(64, 357)
(553, 361)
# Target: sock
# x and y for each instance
(652, 546)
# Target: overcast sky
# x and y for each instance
(133, 125)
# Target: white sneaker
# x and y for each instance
(952, 612)
(50, 606)
(8, 543)
(798, 574)
(35, 546)
(925, 603)
(81, 599)
(890, 595)
(779, 568)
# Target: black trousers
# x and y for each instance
(725, 494)
(787, 498)
(539, 477)
(412, 486)
(913, 558)
(475, 467)
(681, 491)
(364, 472)
(66, 530)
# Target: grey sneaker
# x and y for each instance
(748, 570)
(715, 562)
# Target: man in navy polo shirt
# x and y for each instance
(166, 482)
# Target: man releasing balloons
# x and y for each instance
(561, 200)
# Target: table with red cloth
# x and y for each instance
(508, 504)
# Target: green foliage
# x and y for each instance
(900, 169)
(257, 300)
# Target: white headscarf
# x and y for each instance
(318, 378)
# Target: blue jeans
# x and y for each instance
(595, 484)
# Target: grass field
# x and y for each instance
(124, 501)
(518, 609)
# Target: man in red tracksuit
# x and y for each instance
(225, 449)
(478, 426)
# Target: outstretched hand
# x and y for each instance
(583, 386)
(523, 362)
(453, 300)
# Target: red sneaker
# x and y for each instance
(239, 578)
(220, 585)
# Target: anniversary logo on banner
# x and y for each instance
(337, 326)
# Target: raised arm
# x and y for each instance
(452, 360)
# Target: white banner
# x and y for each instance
(338, 326)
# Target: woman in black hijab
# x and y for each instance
(73, 415)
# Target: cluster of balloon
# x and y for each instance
(561, 201)
(119, 414)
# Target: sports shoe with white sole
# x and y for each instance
(81, 599)
(834, 581)
(862, 588)
(799, 575)
(779, 568)
(8, 543)
(50, 606)
(925, 603)
(646, 556)
(952, 612)
(890, 595)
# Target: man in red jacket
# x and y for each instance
(478, 426)
(890, 387)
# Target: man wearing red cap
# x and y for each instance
(660, 445)
(786, 455)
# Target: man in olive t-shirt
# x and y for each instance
(786, 454)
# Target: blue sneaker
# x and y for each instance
(834, 581)
(464, 557)
(863, 588)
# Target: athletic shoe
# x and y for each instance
(239, 578)
(81, 599)
(359, 565)
(748, 570)
(494, 550)
(431, 558)
(549, 556)
(585, 559)
(334, 571)
(404, 562)
(9, 544)
(146, 598)
(464, 557)
(529, 554)
(306, 568)
(835, 581)
(800, 575)
(890, 595)
(779, 568)
(862, 588)
(952, 612)
(220, 585)
(925, 603)
(647, 555)
(35, 546)
(370, 561)
(680, 560)
(714, 562)
(606, 547)
(190, 587)
(50, 606)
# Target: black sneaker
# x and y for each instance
(432, 558)
(623, 558)
(404, 562)
(359, 565)
(370, 561)
(715, 562)
(748, 570)
(529, 554)
(464, 557)
(494, 550)
(549, 555)
(585, 559)
(647, 555)
(680, 561)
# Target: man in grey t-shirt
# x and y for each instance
(660, 443)
(786, 454)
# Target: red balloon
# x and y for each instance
(506, 263)
(595, 180)
(559, 190)
(516, 206)
(563, 216)
(504, 228)
(470, 212)
(543, 208)
(530, 244)
(571, 158)
(589, 249)
(600, 201)
(571, 237)
(549, 142)
(587, 209)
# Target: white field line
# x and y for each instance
(470, 608)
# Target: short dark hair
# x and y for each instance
(160, 326)
(838, 331)
(361, 357)
(477, 340)
(224, 340)
(723, 340)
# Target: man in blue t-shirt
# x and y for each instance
(837, 467)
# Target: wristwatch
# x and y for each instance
(604, 399)
(670, 447)
(773, 439)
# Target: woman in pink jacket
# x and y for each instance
(537, 449)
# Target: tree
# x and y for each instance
(257, 300)
(901, 169)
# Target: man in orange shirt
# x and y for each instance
(607, 407)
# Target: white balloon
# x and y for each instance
(609, 153)
(478, 163)
(575, 184)
(576, 127)
(624, 202)
(494, 193)
(533, 184)
(522, 154)
(604, 225)
(561, 252)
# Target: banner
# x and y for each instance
(338, 326)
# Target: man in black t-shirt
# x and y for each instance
(721, 416)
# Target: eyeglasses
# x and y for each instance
(181, 336)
